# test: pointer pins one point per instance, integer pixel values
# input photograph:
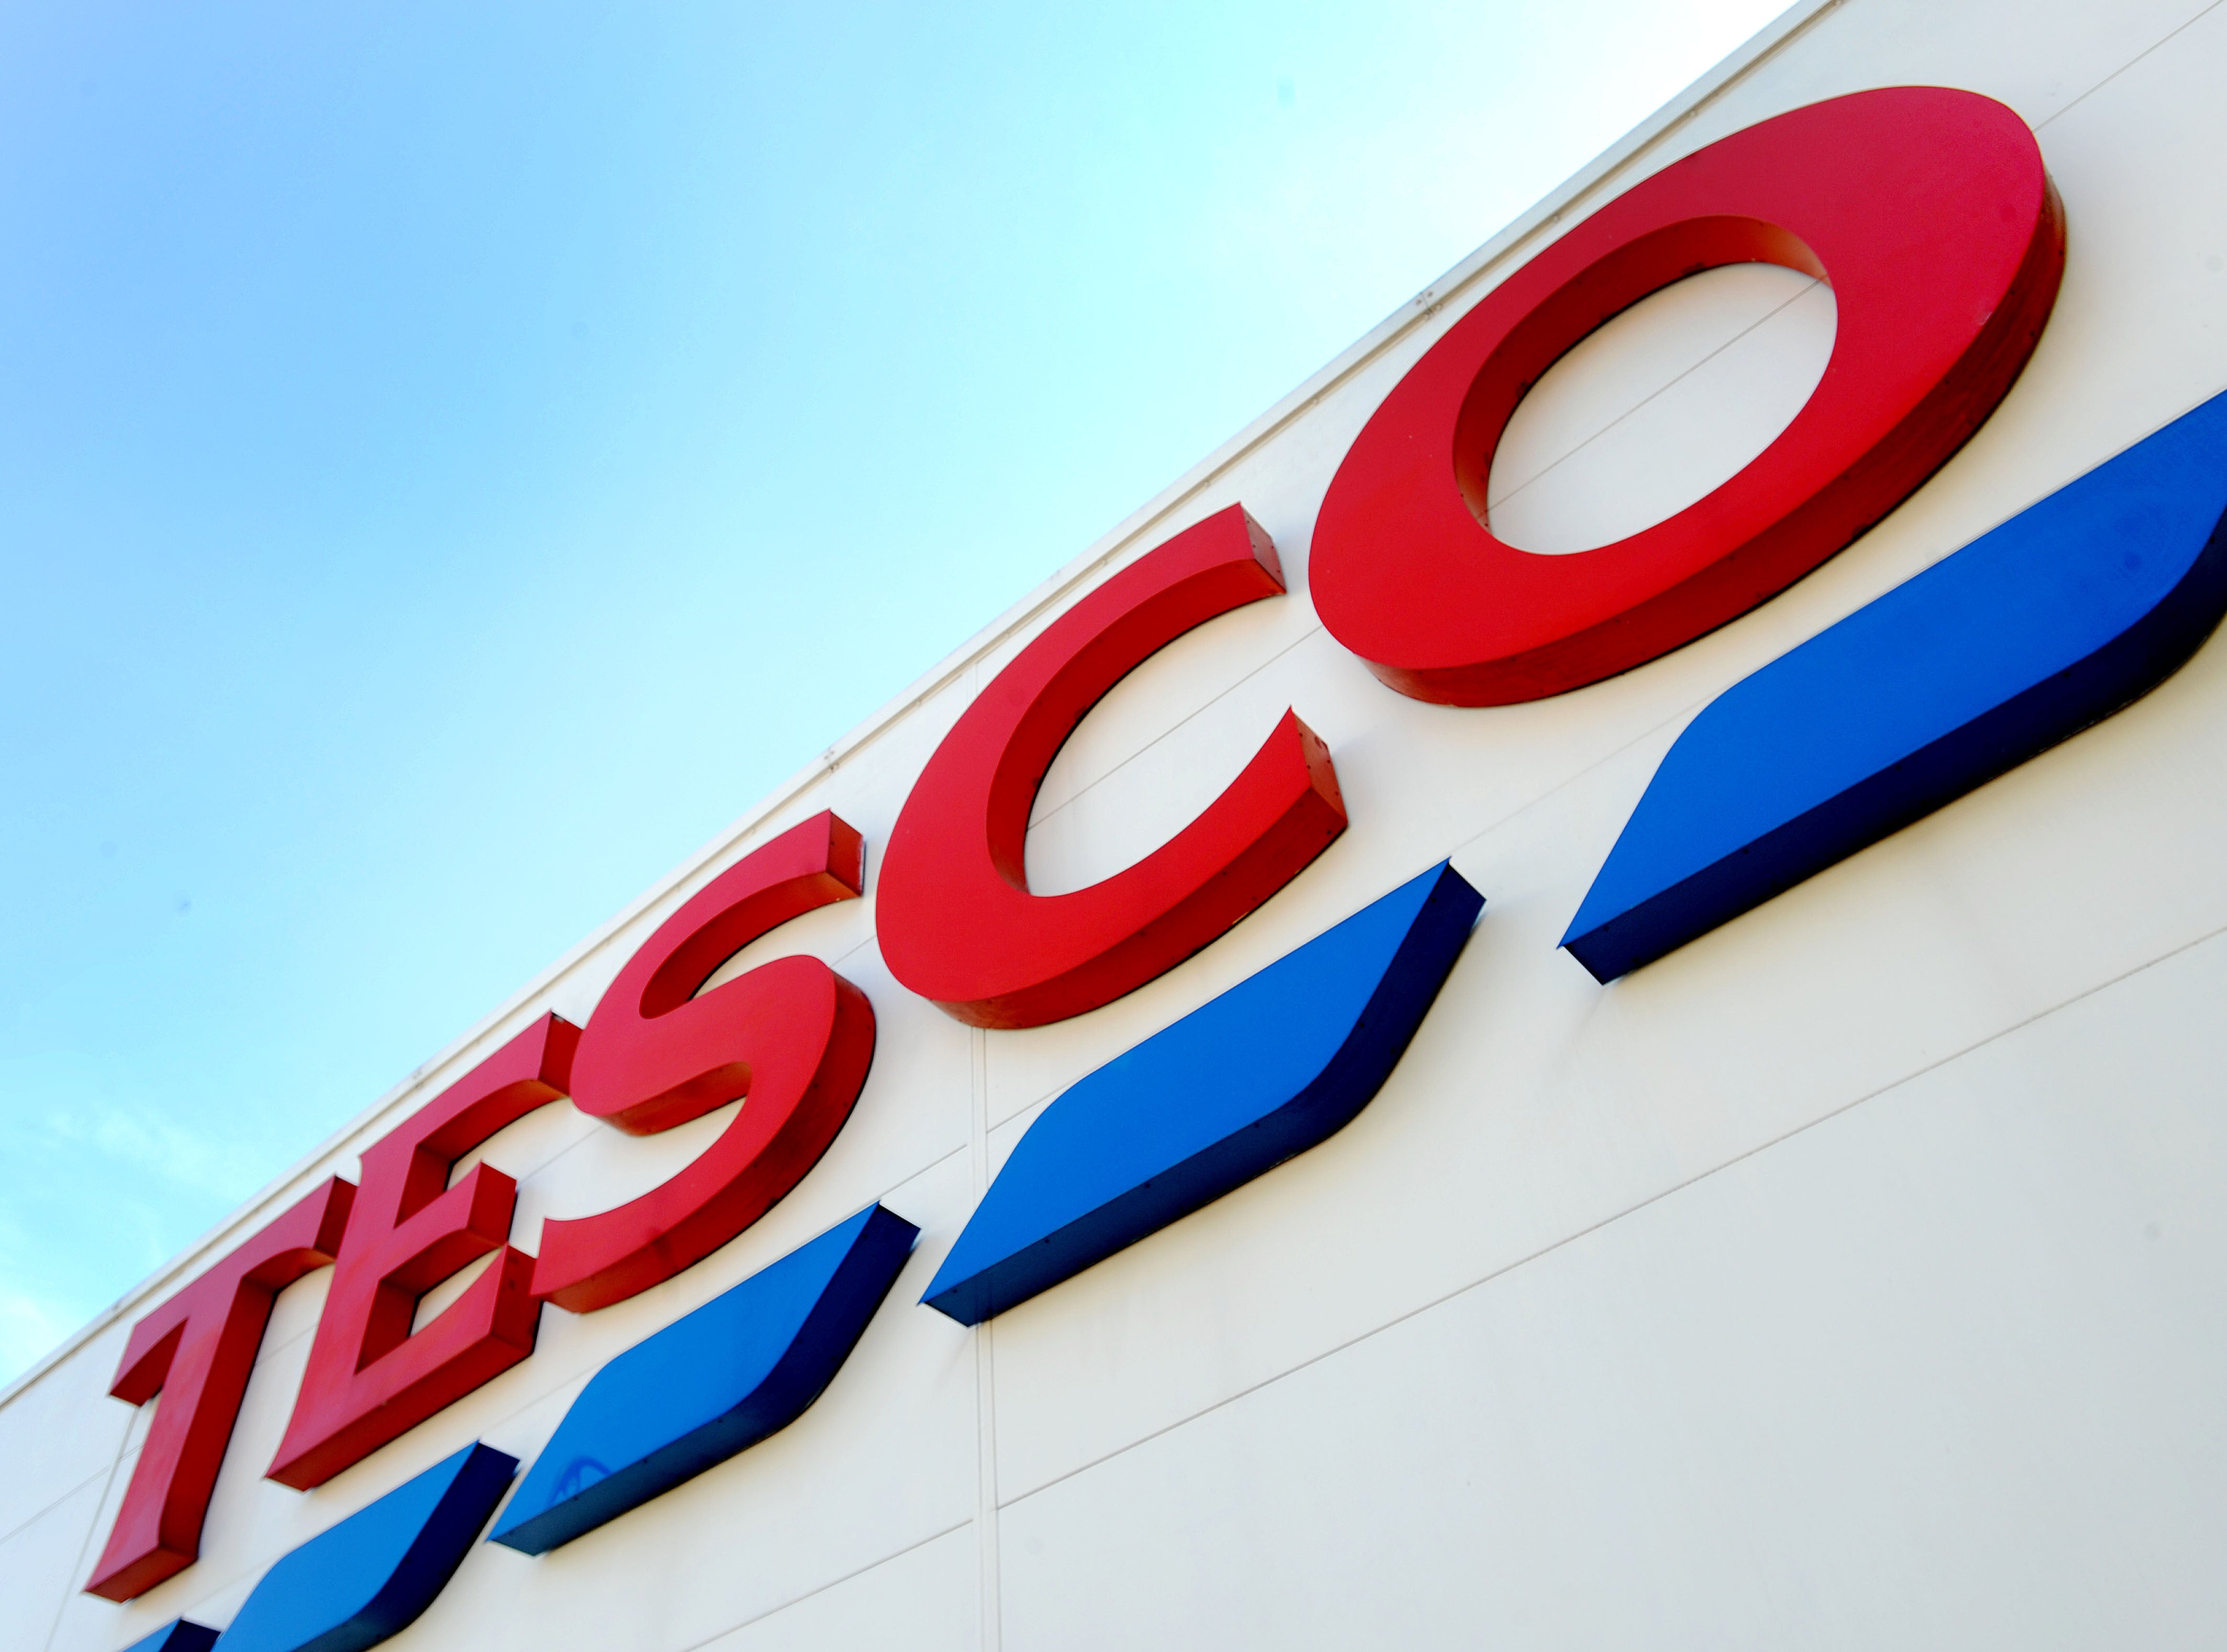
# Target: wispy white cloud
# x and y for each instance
(144, 1139)
(99, 1189)
(30, 1328)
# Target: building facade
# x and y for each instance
(1163, 1210)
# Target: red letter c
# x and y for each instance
(957, 922)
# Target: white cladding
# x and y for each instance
(1854, 1277)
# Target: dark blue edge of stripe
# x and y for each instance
(437, 1550)
(1348, 1082)
(2086, 692)
(179, 1634)
(802, 1374)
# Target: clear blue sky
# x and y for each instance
(456, 459)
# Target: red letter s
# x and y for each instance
(792, 1036)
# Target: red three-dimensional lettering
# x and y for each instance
(957, 924)
(792, 1036)
(197, 1351)
(1929, 213)
(369, 1377)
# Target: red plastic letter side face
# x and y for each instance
(792, 1036)
(369, 1377)
(197, 1350)
(1929, 213)
(957, 924)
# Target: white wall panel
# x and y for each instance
(40, 1563)
(53, 1447)
(924, 1599)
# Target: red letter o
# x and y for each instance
(1929, 213)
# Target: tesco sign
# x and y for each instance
(1929, 213)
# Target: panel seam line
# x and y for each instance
(30, 1521)
(2154, 46)
(821, 1588)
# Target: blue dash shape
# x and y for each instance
(1280, 1061)
(370, 1576)
(744, 1365)
(2063, 615)
(179, 1634)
